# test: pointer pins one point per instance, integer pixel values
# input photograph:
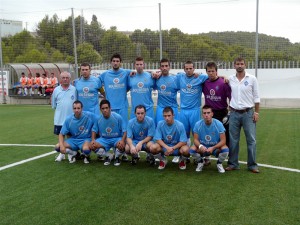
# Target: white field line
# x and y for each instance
(26, 160)
(269, 166)
(27, 145)
(53, 152)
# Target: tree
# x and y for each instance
(114, 41)
(94, 32)
(57, 56)
(32, 56)
(87, 53)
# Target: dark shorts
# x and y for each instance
(57, 129)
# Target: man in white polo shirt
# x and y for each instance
(244, 107)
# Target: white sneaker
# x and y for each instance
(71, 158)
(60, 157)
(175, 159)
(220, 168)
(85, 160)
(107, 161)
(199, 167)
(162, 164)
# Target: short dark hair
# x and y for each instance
(103, 102)
(207, 107)
(78, 102)
(239, 59)
(139, 58)
(168, 109)
(211, 65)
(139, 107)
(164, 60)
(188, 62)
(116, 55)
(85, 64)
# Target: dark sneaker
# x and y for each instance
(188, 160)
(206, 162)
(134, 160)
(78, 156)
(148, 158)
(152, 161)
(117, 161)
(124, 158)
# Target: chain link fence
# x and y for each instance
(51, 39)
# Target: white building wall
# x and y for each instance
(10, 27)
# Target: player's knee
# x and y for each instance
(184, 150)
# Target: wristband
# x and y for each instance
(200, 146)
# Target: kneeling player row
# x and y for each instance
(90, 133)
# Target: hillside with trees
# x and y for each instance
(53, 42)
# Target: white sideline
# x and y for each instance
(26, 160)
(53, 152)
(269, 166)
(30, 145)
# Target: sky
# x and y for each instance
(280, 18)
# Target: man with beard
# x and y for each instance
(244, 112)
(115, 83)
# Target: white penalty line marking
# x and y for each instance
(53, 152)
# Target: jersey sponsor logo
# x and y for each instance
(116, 84)
(163, 87)
(140, 88)
(81, 128)
(116, 81)
(213, 98)
(141, 133)
(212, 92)
(190, 90)
(169, 138)
(140, 84)
(109, 133)
(108, 130)
(207, 137)
(85, 90)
